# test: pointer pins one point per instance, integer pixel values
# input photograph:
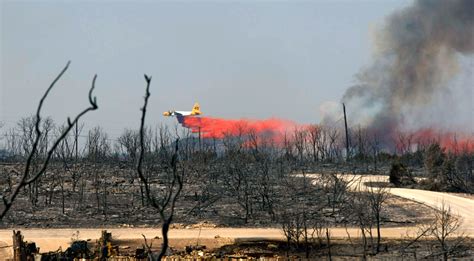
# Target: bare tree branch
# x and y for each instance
(25, 179)
(168, 202)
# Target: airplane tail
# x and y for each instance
(196, 109)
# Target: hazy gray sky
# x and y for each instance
(241, 59)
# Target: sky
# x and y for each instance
(238, 59)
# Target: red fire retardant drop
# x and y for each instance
(276, 131)
(273, 129)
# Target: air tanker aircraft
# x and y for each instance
(196, 111)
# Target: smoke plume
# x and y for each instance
(417, 56)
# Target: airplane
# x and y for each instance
(196, 111)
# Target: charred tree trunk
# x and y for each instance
(18, 247)
(328, 241)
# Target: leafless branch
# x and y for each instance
(25, 179)
(168, 201)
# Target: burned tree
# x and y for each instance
(98, 150)
(164, 199)
(29, 176)
(128, 144)
(445, 229)
(314, 135)
(377, 198)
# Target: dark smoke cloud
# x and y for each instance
(417, 56)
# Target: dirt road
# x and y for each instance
(461, 206)
(52, 239)
(464, 207)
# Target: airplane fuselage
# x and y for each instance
(196, 111)
(178, 113)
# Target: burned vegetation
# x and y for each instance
(300, 179)
(53, 177)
